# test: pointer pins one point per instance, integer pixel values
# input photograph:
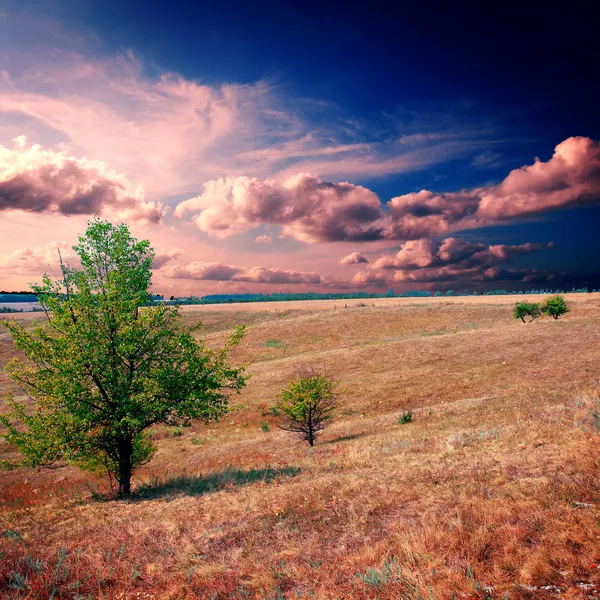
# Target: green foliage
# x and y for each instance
(307, 404)
(405, 417)
(102, 370)
(527, 309)
(555, 306)
(265, 426)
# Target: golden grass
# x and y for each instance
(492, 492)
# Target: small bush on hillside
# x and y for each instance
(265, 426)
(307, 404)
(405, 417)
(527, 309)
(555, 306)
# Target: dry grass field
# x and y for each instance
(493, 491)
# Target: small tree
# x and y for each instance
(527, 309)
(555, 306)
(101, 370)
(307, 404)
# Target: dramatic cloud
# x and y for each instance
(219, 272)
(571, 177)
(354, 258)
(45, 181)
(307, 208)
(425, 254)
(312, 210)
(450, 260)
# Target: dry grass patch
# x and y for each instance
(492, 491)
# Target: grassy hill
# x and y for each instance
(492, 491)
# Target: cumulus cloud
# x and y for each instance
(570, 177)
(307, 208)
(38, 259)
(270, 275)
(311, 210)
(33, 179)
(354, 258)
(425, 254)
(207, 271)
(452, 259)
(162, 258)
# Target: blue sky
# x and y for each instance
(170, 97)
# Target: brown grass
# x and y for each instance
(492, 492)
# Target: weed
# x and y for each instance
(273, 344)
(405, 417)
(377, 578)
(265, 426)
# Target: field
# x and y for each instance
(493, 490)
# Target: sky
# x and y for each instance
(281, 147)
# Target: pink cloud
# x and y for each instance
(571, 177)
(163, 258)
(307, 208)
(311, 210)
(282, 276)
(460, 254)
(354, 258)
(46, 181)
(32, 261)
(221, 272)
(210, 271)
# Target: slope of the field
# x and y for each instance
(491, 492)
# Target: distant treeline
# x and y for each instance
(6, 297)
(17, 297)
(281, 297)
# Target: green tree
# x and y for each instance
(307, 404)
(104, 367)
(527, 309)
(555, 306)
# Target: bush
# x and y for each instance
(405, 417)
(527, 309)
(307, 404)
(265, 426)
(555, 306)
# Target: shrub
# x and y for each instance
(405, 417)
(555, 306)
(265, 426)
(307, 404)
(527, 309)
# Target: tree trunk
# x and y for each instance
(125, 453)
(311, 436)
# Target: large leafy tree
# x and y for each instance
(104, 367)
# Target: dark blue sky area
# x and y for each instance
(527, 70)
(534, 63)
